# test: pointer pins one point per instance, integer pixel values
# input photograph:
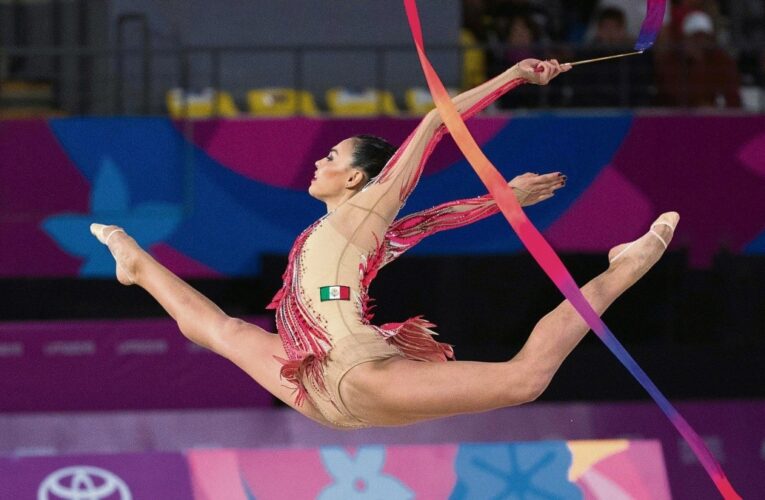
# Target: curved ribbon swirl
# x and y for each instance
(546, 257)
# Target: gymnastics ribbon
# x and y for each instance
(546, 257)
(654, 19)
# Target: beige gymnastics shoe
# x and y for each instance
(668, 219)
(119, 248)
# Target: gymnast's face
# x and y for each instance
(335, 176)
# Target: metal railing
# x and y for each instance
(134, 80)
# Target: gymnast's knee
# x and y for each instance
(533, 382)
(221, 336)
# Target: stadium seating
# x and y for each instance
(419, 101)
(281, 101)
(343, 101)
(473, 60)
(22, 99)
(205, 104)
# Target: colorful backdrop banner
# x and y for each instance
(210, 202)
(545, 469)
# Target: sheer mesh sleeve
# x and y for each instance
(410, 230)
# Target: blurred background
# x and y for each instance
(195, 125)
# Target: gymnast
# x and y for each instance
(328, 361)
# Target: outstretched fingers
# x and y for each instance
(550, 182)
(532, 188)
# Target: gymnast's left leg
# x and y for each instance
(399, 391)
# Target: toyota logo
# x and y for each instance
(83, 482)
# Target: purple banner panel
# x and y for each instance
(733, 432)
(102, 477)
(116, 365)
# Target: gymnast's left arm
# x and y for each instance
(388, 191)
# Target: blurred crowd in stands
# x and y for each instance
(710, 52)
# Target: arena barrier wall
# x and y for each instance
(733, 430)
(135, 364)
(545, 469)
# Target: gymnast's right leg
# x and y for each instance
(398, 391)
(201, 321)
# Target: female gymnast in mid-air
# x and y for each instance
(328, 361)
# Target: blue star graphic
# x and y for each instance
(248, 494)
(360, 477)
(514, 471)
(148, 223)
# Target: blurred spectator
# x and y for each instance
(502, 12)
(617, 83)
(634, 15)
(748, 21)
(611, 29)
(474, 18)
(697, 72)
(576, 19)
(632, 10)
(748, 34)
(522, 41)
(682, 8)
(3, 65)
(522, 37)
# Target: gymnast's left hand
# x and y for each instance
(541, 72)
(532, 188)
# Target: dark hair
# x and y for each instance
(371, 153)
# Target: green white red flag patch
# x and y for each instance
(334, 292)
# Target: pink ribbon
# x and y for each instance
(546, 257)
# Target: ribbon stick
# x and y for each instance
(546, 257)
(606, 58)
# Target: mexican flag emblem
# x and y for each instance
(335, 292)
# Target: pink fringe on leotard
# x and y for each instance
(414, 339)
(307, 343)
